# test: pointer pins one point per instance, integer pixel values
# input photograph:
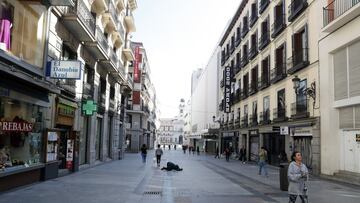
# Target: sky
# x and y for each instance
(179, 36)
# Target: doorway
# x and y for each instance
(98, 138)
(351, 151)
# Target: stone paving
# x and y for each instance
(204, 179)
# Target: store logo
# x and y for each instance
(227, 79)
(16, 126)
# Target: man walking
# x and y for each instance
(242, 154)
(143, 152)
(217, 153)
(227, 154)
(262, 161)
(158, 154)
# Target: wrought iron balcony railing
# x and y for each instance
(264, 40)
(83, 14)
(101, 39)
(300, 109)
(278, 26)
(253, 51)
(265, 117)
(296, 8)
(278, 73)
(298, 61)
(264, 81)
(279, 114)
(263, 5)
(244, 60)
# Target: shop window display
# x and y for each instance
(22, 30)
(21, 127)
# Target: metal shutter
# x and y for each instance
(354, 70)
(357, 116)
(340, 75)
(346, 117)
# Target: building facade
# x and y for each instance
(70, 62)
(141, 107)
(204, 97)
(339, 47)
(270, 80)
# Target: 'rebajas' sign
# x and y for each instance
(15, 126)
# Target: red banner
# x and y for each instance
(136, 64)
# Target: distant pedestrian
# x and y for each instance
(169, 147)
(198, 150)
(227, 154)
(242, 154)
(143, 152)
(190, 149)
(217, 153)
(158, 154)
(262, 161)
(298, 175)
(184, 149)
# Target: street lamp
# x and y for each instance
(310, 91)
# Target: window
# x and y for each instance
(281, 105)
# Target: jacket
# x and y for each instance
(297, 176)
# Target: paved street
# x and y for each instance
(204, 179)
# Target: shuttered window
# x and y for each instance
(357, 116)
(346, 117)
(354, 70)
(340, 75)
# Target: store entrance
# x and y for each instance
(66, 148)
(274, 143)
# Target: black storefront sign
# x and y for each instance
(227, 89)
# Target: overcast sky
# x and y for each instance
(179, 37)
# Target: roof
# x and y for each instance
(233, 21)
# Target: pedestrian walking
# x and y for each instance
(242, 154)
(298, 175)
(217, 153)
(143, 150)
(169, 147)
(262, 161)
(158, 154)
(190, 149)
(184, 149)
(193, 150)
(198, 150)
(227, 154)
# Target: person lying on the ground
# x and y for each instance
(171, 166)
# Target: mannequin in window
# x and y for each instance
(6, 22)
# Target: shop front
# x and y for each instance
(230, 140)
(302, 138)
(274, 143)
(254, 145)
(21, 133)
(68, 139)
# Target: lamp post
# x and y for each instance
(310, 91)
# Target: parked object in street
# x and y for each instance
(171, 166)
(143, 152)
(158, 154)
(262, 161)
(298, 175)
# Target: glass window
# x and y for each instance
(21, 127)
(23, 30)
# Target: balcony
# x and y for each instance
(112, 105)
(296, 8)
(101, 101)
(222, 59)
(339, 12)
(110, 17)
(129, 21)
(263, 5)
(238, 40)
(244, 122)
(264, 81)
(244, 32)
(99, 48)
(264, 40)
(253, 120)
(253, 87)
(237, 67)
(132, 4)
(265, 117)
(227, 56)
(244, 60)
(300, 109)
(232, 48)
(237, 95)
(244, 94)
(279, 115)
(79, 21)
(254, 17)
(120, 4)
(298, 61)
(87, 91)
(253, 51)
(278, 26)
(112, 62)
(129, 54)
(278, 73)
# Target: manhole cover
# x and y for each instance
(152, 193)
